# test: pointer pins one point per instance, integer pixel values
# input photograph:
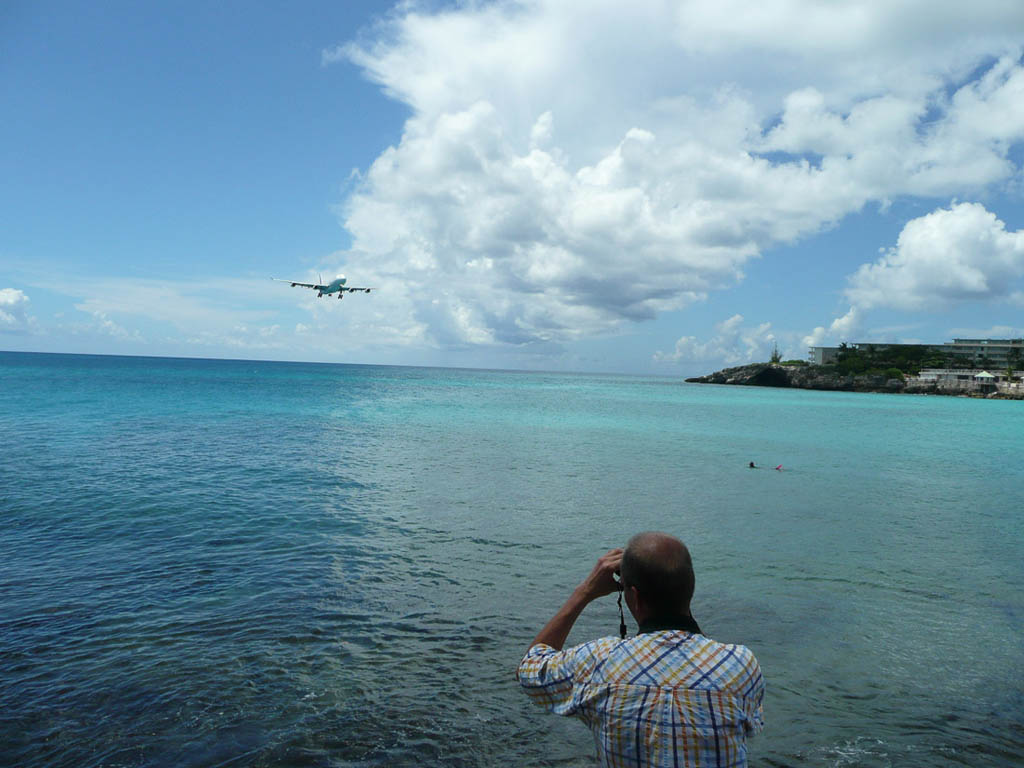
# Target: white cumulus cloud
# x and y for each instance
(732, 343)
(569, 168)
(951, 255)
(843, 328)
(14, 307)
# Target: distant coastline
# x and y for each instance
(826, 378)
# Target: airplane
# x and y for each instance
(337, 285)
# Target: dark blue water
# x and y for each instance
(228, 563)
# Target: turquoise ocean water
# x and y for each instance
(228, 563)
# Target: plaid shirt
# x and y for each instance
(668, 698)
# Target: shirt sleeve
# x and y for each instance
(549, 677)
(753, 696)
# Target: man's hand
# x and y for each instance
(599, 583)
(601, 580)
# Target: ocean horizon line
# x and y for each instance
(546, 371)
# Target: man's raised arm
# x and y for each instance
(599, 583)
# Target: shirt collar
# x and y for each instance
(662, 623)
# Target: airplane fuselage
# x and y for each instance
(337, 285)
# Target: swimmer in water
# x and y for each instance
(779, 467)
(752, 465)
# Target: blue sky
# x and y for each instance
(655, 187)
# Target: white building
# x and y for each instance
(995, 354)
(823, 355)
(958, 379)
(991, 353)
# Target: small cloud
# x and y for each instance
(847, 325)
(950, 256)
(241, 337)
(333, 55)
(110, 327)
(732, 343)
(14, 316)
(103, 325)
(841, 329)
(815, 337)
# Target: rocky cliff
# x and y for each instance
(827, 378)
(813, 377)
(819, 377)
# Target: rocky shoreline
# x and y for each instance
(824, 378)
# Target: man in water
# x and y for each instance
(669, 696)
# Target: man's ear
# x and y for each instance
(632, 598)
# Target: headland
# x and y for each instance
(826, 377)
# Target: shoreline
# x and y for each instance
(824, 379)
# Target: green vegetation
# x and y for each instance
(894, 373)
(894, 362)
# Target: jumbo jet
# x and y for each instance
(337, 285)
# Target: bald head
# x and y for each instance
(659, 566)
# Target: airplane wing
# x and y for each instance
(351, 289)
(294, 283)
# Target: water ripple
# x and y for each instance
(224, 563)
